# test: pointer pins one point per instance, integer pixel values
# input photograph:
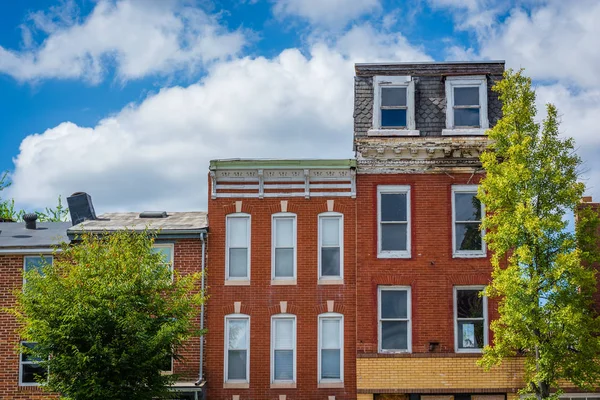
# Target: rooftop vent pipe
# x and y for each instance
(30, 220)
(81, 207)
(153, 214)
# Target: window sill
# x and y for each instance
(466, 131)
(330, 385)
(330, 281)
(290, 385)
(393, 132)
(465, 351)
(236, 283)
(394, 351)
(397, 254)
(229, 385)
(469, 255)
(283, 282)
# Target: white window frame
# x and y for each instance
(21, 363)
(36, 256)
(452, 82)
(168, 246)
(331, 214)
(294, 349)
(226, 379)
(408, 318)
(229, 279)
(321, 318)
(283, 215)
(393, 81)
(394, 189)
(455, 318)
(466, 253)
(168, 371)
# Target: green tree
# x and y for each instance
(58, 214)
(105, 317)
(541, 271)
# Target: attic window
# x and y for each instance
(393, 106)
(153, 214)
(466, 105)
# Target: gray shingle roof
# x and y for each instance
(187, 222)
(13, 235)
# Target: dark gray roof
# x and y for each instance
(13, 235)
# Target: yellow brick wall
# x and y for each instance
(364, 397)
(436, 373)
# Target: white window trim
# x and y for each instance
(168, 371)
(393, 81)
(341, 237)
(274, 217)
(485, 319)
(168, 246)
(466, 81)
(322, 317)
(21, 363)
(237, 215)
(403, 189)
(273, 318)
(466, 253)
(32, 256)
(408, 315)
(226, 353)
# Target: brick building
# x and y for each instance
(281, 249)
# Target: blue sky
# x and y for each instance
(129, 99)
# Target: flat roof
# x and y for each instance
(14, 235)
(432, 62)
(253, 163)
(187, 222)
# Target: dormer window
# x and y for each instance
(393, 106)
(466, 105)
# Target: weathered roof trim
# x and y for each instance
(358, 65)
(239, 163)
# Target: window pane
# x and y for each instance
(237, 232)
(470, 334)
(466, 117)
(466, 96)
(167, 363)
(238, 263)
(393, 118)
(284, 333)
(284, 263)
(393, 237)
(330, 364)
(393, 207)
(330, 334)
(330, 261)
(236, 364)
(393, 97)
(469, 304)
(394, 304)
(37, 263)
(30, 371)
(27, 357)
(166, 253)
(284, 229)
(284, 365)
(467, 207)
(468, 236)
(394, 335)
(330, 231)
(238, 331)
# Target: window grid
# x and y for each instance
(243, 348)
(331, 317)
(331, 216)
(396, 319)
(230, 219)
(275, 348)
(394, 107)
(381, 253)
(466, 82)
(456, 251)
(277, 219)
(168, 250)
(466, 107)
(28, 363)
(34, 262)
(457, 320)
(405, 102)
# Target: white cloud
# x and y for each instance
(138, 37)
(154, 155)
(326, 13)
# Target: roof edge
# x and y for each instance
(254, 163)
(392, 63)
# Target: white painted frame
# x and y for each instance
(408, 318)
(321, 217)
(340, 318)
(393, 81)
(394, 189)
(172, 262)
(21, 363)
(248, 243)
(231, 317)
(294, 349)
(452, 82)
(455, 318)
(36, 256)
(466, 253)
(294, 218)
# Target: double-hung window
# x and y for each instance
(166, 251)
(237, 348)
(331, 348)
(30, 371)
(393, 106)
(393, 215)
(35, 263)
(466, 105)
(331, 246)
(283, 247)
(467, 210)
(470, 319)
(283, 348)
(237, 255)
(394, 319)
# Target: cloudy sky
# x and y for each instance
(129, 99)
